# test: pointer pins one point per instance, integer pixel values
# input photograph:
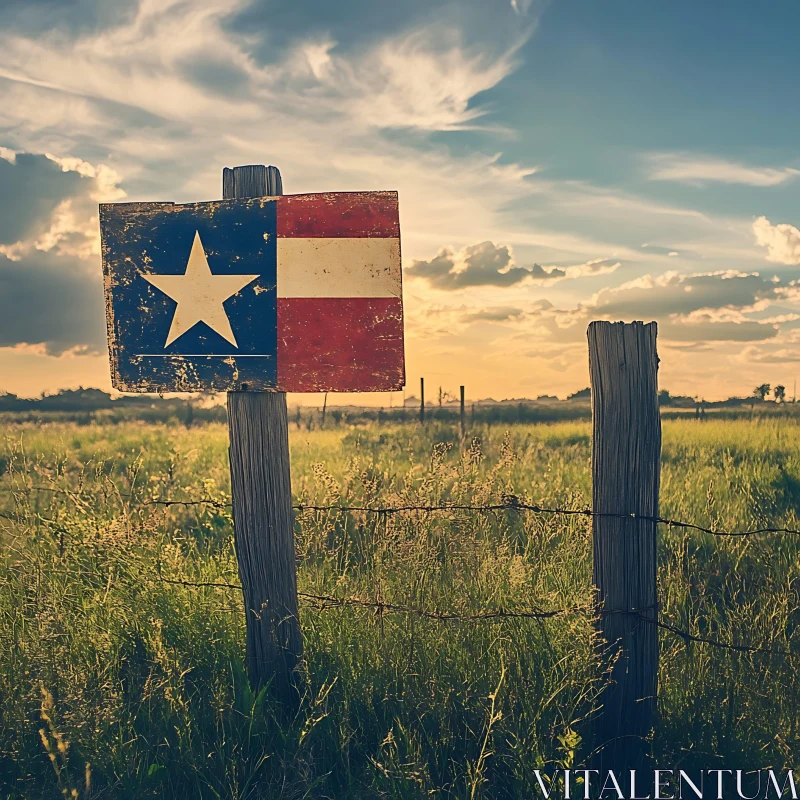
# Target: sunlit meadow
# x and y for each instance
(119, 680)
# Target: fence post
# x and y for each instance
(463, 416)
(262, 505)
(626, 454)
(422, 399)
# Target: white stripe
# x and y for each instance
(358, 267)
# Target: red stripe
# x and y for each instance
(339, 215)
(340, 345)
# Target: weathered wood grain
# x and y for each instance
(262, 509)
(626, 454)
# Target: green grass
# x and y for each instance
(140, 684)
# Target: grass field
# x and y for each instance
(113, 676)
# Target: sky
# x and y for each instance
(557, 162)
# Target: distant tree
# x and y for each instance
(581, 395)
(780, 393)
(664, 398)
(762, 391)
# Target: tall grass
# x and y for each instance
(137, 683)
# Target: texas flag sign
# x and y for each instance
(297, 293)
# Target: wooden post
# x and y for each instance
(463, 416)
(324, 409)
(422, 399)
(626, 454)
(262, 505)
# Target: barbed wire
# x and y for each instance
(508, 502)
(380, 607)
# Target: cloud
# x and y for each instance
(707, 307)
(699, 170)
(175, 90)
(33, 17)
(33, 187)
(495, 314)
(51, 203)
(483, 264)
(145, 90)
(490, 264)
(51, 300)
(780, 355)
(179, 62)
(521, 6)
(658, 249)
(597, 266)
(675, 293)
(425, 79)
(51, 291)
(708, 329)
(782, 241)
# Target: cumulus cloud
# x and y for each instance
(710, 307)
(33, 187)
(490, 264)
(50, 278)
(782, 241)
(483, 264)
(698, 170)
(50, 203)
(676, 293)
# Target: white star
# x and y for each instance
(199, 295)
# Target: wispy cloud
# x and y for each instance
(699, 170)
(425, 79)
(521, 6)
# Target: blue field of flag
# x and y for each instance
(191, 294)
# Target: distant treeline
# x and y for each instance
(85, 406)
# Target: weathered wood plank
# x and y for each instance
(262, 510)
(626, 454)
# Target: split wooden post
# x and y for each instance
(262, 505)
(626, 455)
(463, 416)
(422, 399)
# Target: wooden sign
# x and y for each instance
(296, 293)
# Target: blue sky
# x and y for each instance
(557, 162)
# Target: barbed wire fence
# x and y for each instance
(507, 503)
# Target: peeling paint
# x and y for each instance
(327, 316)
